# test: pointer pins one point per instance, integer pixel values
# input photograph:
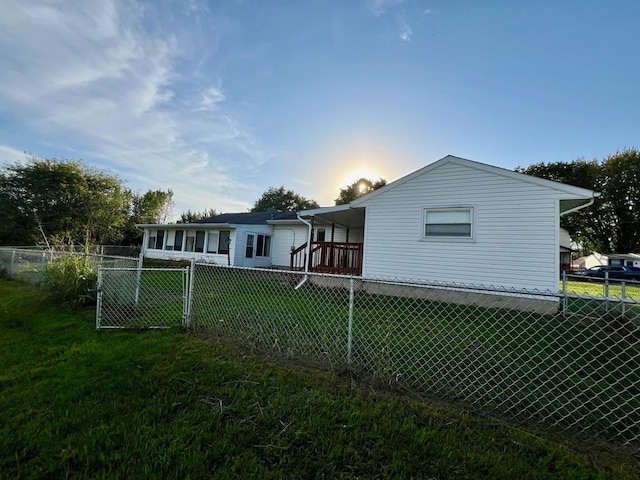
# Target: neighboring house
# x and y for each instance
(453, 221)
(588, 261)
(626, 259)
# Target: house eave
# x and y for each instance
(343, 215)
(184, 226)
(564, 191)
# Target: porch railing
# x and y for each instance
(342, 258)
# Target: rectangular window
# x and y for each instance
(200, 241)
(212, 243)
(263, 249)
(190, 241)
(248, 253)
(177, 244)
(151, 243)
(225, 240)
(159, 240)
(322, 233)
(171, 235)
(448, 222)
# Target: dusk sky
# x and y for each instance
(220, 100)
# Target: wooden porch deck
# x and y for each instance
(341, 258)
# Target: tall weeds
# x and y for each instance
(70, 278)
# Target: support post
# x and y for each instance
(564, 293)
(99, 298)
(350, 331)
(139, 278)
(606, 291)
(190, 293)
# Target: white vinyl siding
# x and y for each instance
(285, 238)
(515, 224)
(242, 234)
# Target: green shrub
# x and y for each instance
(71, 279)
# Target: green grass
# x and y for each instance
(76, 403)
(597, 289)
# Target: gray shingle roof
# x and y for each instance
(249, 218)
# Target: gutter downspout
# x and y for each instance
(575, 209)
(308, 253)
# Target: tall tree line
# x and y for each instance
(64, 199)
(612, 223)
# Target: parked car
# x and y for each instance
(616, 272)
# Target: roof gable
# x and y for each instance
(564, 190)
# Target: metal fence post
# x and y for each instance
(190, 292)
(350, 331)
(12, 272)
(138, 278)
(99, 298)
(606, 291)
(565, 300)
(623, 294)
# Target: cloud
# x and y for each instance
(379, 7)
(210, 99)
(11, 155)
(405, 29)
(97, 78)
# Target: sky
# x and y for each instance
(220, 100)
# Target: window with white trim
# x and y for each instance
(249, 248)
(443, 223)
(224, 241)
(212, 243)
(199, 246)
(263, 247)
(156, 239)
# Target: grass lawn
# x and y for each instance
(597, 289)
(76, 403)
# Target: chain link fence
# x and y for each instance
(565, 359)
(29, 264)
(569, 358)
(142, 297)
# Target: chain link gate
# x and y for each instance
(142, 298)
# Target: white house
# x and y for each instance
(626, 259)
(454, 221)
(461, 221)
(253, 239)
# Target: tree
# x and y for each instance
(68, 200)
(154, 206)
(191, 217)
(357, 189)
(283, 200)
(612, 223)
(60, 197)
